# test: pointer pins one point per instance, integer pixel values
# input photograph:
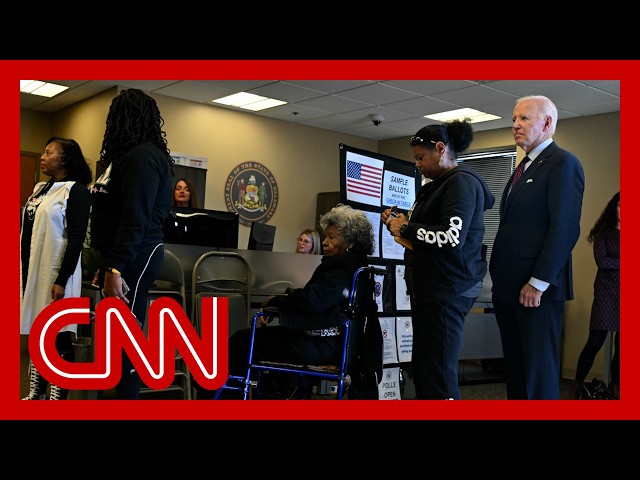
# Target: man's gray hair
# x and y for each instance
(545, 108)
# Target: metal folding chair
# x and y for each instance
(171, 283)
(221, 274)
(361, 299)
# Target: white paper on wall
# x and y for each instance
(390, 352)
(390, 248)
(403, 302)
(379, 287)
(374, 218)
(389, 387)
(404, 334)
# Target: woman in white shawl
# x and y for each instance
(53, 229)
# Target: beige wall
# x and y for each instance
(83, 121)
(305, 162)
(35, 130)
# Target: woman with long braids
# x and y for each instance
(131, 200)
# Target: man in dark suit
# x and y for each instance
(531, 258)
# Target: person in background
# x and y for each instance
(131, 200)
(445, 260)
(54, 226)
(309, 332)
(309, 242)
(605, 310)
(184, 194)
(531, 258)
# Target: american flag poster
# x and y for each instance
(364, 179)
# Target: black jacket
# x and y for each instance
(446, 227)
(130, 203)
(322, 301)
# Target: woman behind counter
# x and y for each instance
(184, 194)
(309, 242)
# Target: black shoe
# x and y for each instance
(597, 390)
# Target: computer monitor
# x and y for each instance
(261, 237)
(198, 226)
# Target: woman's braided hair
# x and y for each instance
(133, 118)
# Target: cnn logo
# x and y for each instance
(116, 329)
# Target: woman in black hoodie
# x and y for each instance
(445, 260)
(130, 203)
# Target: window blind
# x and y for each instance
(495, 167)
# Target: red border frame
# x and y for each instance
(13, 408)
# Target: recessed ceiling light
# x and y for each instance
(249, 101)
(474, 116)
(264, 104)
(36, 87)
(28, 86)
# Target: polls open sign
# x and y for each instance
(116, 329)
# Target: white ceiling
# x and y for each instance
(346, 105)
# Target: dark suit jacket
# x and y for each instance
(539, 226)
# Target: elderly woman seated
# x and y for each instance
(309, 317)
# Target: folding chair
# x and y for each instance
(171, 283)
(171, 280)
(361, 299)
(220, 274)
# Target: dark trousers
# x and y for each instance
(139, 275)
(531, 348)
(438, 330)
(591, 348)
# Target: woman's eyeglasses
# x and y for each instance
(416, 140)
(304, 240)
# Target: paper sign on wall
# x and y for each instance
(403, 302)
(379, 287)
(390, 350)
(389, 387)
(404, 333)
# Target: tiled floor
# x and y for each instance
(477, 382)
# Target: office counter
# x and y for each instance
(481, 332)
(272, 272)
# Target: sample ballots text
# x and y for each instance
(364, 179)
(398, 190)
